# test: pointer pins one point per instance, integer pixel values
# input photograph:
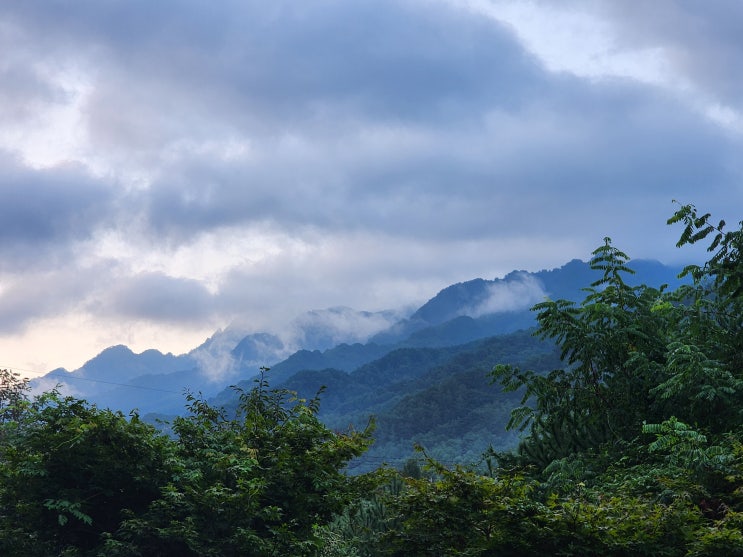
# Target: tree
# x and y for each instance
(259, 483)
(460, 512)
(706, 351)
(635, 443)
(638, 354)
(78, 480)
(13, 394)
(613, 346)
(69, 471)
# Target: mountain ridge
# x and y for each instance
(457, 314)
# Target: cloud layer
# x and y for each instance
(170, 168)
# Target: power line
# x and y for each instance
(372, 458)
(16, 368)
(42, 375)
(51, 374)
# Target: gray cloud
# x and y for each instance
(23, 92)
(305, 85)
(390, 146)
(519, 292)
(43, 211)
(700, 40)
(321, 329)
(596, 145)
(160, 298)
(286, 64)
(41, 293)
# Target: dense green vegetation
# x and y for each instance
(632, 444)
(78, 480)
(439, 397)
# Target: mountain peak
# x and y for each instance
(462, 312)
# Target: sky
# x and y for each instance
(172, 168)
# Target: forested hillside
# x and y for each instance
(439, 397)
(632, 442)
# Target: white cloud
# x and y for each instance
(321, 329)
(574, 37)
(214, 358)
(518, 292)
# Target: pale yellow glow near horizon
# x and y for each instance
(70, 340)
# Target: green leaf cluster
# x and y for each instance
(79, 480)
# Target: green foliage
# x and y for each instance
(723, 537)
(606, 466)
(725, 266)
(461, 512)
(612, 345)
(256, 484)
(13, 395)
(68, 471)
(358, 530)
(637, 354)
(78, 480)
(695, 377)
(634, 358)
(686, 447)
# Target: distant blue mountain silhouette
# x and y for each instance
(458, 314)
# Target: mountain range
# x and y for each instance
(421, 373)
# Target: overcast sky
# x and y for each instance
(169, 168)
